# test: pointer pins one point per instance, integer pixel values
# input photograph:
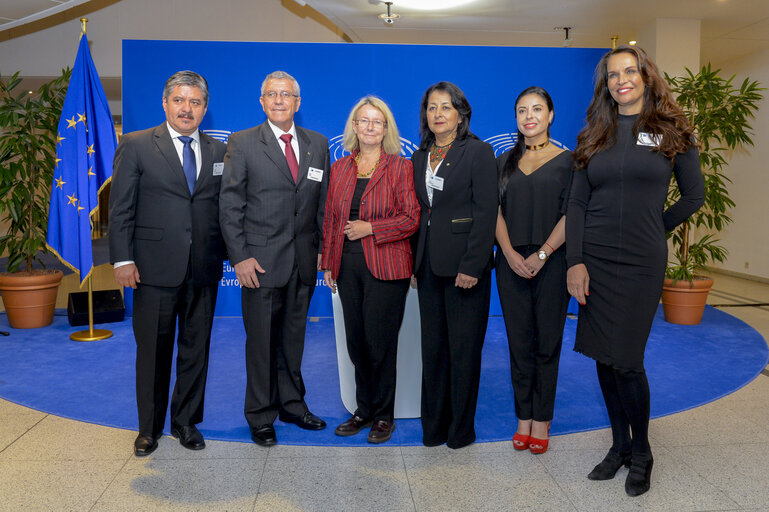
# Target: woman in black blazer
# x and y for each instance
(456, 182)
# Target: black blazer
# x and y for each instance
(155, 221)
(463, 215)
(264, 214)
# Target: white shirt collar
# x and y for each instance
(174, 134)
(278, 132)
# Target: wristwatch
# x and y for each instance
(542, 255)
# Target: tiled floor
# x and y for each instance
(712, 458)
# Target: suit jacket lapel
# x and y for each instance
(379, 172)
(305, 154)
(206, 161)
(166, 147)
(420, 167)
(274, 152)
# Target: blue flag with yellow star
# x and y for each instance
(84, 152)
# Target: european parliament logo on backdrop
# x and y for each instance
(85, 148)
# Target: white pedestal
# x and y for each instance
(408, 388)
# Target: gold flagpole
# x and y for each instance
(91, 334)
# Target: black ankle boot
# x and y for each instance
(639, 477)
(609, 466)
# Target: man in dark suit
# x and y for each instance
(165, 243)
(271, 212)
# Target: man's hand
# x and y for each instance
(127, 275)
(465, 281)
(246, 272)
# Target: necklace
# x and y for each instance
(371, 171)
(438, 153)
(537, 147)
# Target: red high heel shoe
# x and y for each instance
(538, 446)
(520, 441)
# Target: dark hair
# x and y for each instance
(520, 144)
(660, 113)
(186, 78)
(459, 102)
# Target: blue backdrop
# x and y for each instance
(333, 76)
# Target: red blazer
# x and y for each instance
(389, 203)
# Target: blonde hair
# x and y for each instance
(391, 142)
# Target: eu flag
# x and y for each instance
(84, 151)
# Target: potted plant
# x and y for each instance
(720, 114)
(28, 137)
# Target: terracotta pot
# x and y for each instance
(30, 297)
(684, 301)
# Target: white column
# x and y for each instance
(673, 44)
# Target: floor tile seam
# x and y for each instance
(23, 434)
(564, 492)
(408, 480)
(725, 293)
(106, 487)
(261, 479)
(712, 484)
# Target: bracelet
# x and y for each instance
(551, 247)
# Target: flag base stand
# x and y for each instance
(91, 335)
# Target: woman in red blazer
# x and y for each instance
(371, 211)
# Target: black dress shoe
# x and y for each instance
(189, 436)
(639, 477)
(264, 435)
(144, 445)
(307, 421)
(381, 431)
(352, 426)
(608, 467)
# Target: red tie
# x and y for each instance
(293, 165)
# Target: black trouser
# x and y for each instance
(373, 312)
(626, 393)
(453, 329)
(535, 312)
(156, 312)
(275, 321)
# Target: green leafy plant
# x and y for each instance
(720, 113)
(28, 132)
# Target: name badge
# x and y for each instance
(648, 139)
(218, 169)
(315, 174)
(435, 182)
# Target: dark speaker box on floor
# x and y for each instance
(107, 307)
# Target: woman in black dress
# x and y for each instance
(636, 138)
(456, 183)
(534, 180)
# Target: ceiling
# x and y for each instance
(730, 28)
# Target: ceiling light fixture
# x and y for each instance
(614, 42)
(389, 17)
(431, 5)
(632, 42)
(567, 37)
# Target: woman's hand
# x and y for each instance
(465, 281)
(357, 229)
(518, 264)
(577, 282)
(331, 283)
(534, 264)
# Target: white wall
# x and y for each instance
(747, 238)
(46, 52)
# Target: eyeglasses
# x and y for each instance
(376, 123)
(271, 95)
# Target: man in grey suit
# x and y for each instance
(271, 211)
(165, 243)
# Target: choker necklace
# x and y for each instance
(537, 147)
(439, 152)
